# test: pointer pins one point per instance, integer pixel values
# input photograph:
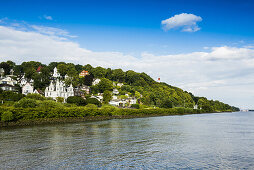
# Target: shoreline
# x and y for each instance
(52, 121)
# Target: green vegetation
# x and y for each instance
(153, 97)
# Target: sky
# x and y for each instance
(205, 47)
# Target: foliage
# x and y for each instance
(91, 106)
(7, 116)
(35, 96)
(136, 106)
(79, 101)
(26, 103)
(107, 96)
(60, 99)
(105, 84)
(93, 101)
(10, 96)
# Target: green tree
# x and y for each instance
(62, 69)
(107, 96)
(105, 84)
(79, 101)
(93, 101)
(99, 72)
(118, 75)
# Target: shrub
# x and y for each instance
(60, 99)
(35, 96)
(91, 106)
(79, 101)
(7, 116)
(49, 104)
(93, 101)
(135, 106)
(26, 103)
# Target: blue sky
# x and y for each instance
(134, 26)
(203, 46)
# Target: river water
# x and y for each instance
(204, 141)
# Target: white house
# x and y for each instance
(27, 88)
(59, 89)
(8, 80)
(96, 81)
(56, 74)
(115, 91)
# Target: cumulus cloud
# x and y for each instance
(224, 73)
(47, 17)
(185, 22)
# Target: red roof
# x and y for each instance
(39, 69)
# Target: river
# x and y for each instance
(201, 141)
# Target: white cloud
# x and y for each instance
(185, 22)
(52, 31)
(47, 17)
(224, 73)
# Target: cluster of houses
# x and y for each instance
(58, 88)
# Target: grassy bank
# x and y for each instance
(30, 116)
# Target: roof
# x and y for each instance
(39, 69)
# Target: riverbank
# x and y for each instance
(37, 116)
(46, 121)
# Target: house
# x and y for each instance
(8, 80)
(22, 81)
(96, 81)
(83, 73)
(117, 84)
(56, 74)
(86, 89)
(115, 91)
(8, 87)
(59, 89)
(118, 102)
(99, 98)
(27, 88)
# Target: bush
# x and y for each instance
(49, 104)
(26, 103)
(7, 116)
(79, 101)
(35, 96)
(93, 101)
(135, 106)
(91, 106)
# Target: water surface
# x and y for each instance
(213, 141)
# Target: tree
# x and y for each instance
(6, 67)
(79, 101)
(87, 80)
(93, 101)
(137, 94)
(131, 76)
(105, 84)
(88, 68)
(99, 72)
(62, 69)
(35, 96)
(166, 104)
(107, 96)
(118, 75)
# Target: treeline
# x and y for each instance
(142, 86)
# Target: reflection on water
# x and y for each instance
(215, 141)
